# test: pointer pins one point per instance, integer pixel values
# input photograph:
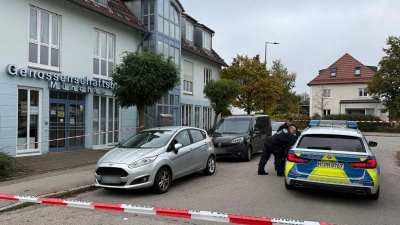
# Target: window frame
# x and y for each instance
(333, 72)
(39, 43)
(189, 31)
(330, 93)
(207, 75)
(99, 56)
(186, 115)
(364, 91)
(187, 85)
(357, 68)
(206, 40)
(327, 112)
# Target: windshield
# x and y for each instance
(149, 139)
(233, 126)
(276, 125)
(332, 142)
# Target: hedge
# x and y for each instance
(357, 117)
(8, 166)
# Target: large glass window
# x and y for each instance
(186, 115)
(168, 19)
(29, 103)
(197, 116)
(148, 15)
(105, 119)
(44, 43)
(207, 118)
(103, 59)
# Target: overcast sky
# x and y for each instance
(312, 34)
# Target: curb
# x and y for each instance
(154, 211)
(59, 194)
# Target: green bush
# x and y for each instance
(357, 117)
(8, 167)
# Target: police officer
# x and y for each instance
(272, 145)
(289, 122)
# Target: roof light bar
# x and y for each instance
(333, 123)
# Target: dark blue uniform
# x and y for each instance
(274, 145)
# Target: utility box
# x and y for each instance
(165, 120)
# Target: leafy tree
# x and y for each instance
(251, 74)
(386, 82)
(319, 100)
(142, 79)
(287, 101)
(303, 99)
(267, 92)
(221, 93)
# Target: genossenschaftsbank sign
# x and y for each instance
(69, 83)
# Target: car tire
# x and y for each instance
(248, 154)
(374, 196)
(162, 181)
(288, 186)
(211, 166)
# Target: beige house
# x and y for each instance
(342, 89)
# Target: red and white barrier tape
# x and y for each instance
(170, 212)
(363, 121)
(85, 135)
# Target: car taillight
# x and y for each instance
(209, 137)
(369, 164)
(294, 158)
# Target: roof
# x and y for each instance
(196, 49)
(332, 130)
(116, 10)
(189, 17)
(205, 27)
(345, 68)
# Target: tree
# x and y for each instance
(142, 79)
(287, 101)
(221, 93)
(385, 85)
(319, 99)
(303, 99)
(250, 74)
(267, 92)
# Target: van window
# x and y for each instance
(331, 142)
(233, 125)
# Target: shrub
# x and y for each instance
(357, 117)
(8, 166)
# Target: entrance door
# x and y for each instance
(175, 113)
(66, 120)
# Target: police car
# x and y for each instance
(333, 155)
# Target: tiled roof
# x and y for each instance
(345, 68)
(116, 9)
(196, 49)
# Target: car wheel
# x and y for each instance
(211, 165)
(248, 154)
(288, 186)
(162, 181)
(374, 196)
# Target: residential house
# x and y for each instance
(342, 89)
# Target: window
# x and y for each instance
(168, 20)
(207, 118)
(183, 138)
(101, 2)
(357, 71)
(189, 31)
(148, 15)
(196, 135)
(29, 105)
(206, 40)
(327, 112)
(333, 72)
(207, 75)
(44, 39)
(362, 92)
(327, 93)
(103, 59)
(197, 116)
(188, 77)
(333, 142)
(106, 114)
(168, 50)
(186, 115)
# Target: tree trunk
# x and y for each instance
(215, 120)
(248, 111)
(140, 108)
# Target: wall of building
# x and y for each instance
(76, 59)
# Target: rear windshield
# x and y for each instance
(331, 142)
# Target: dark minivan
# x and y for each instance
(241, 136)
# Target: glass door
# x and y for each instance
(57, 126)
(75, 126)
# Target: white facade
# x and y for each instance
(353, 96)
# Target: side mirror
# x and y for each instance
(177, 147)
(372, 144)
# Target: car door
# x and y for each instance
(255, 135)
(182, 159)
(200, 147)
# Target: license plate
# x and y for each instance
(331, 165)
(110, 179)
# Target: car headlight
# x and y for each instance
(142, 162)
(238, 140)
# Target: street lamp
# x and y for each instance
(274, 43)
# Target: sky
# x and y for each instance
(312, 34)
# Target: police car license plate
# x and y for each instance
(110, 179)
(331, 165)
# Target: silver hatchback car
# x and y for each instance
(156, 156)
